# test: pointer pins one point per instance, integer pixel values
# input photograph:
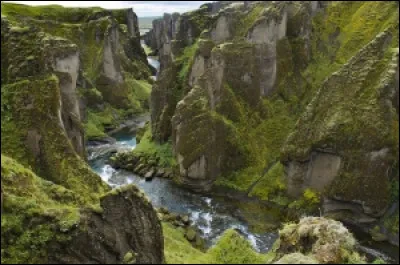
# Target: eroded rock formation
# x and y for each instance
(53, 205)
(288, 82)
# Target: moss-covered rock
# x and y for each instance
(233, 105)
(296, 258)
(111, 68)
(43, 222)
(325, 240)
(354, 124)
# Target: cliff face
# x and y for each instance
(282, 98)
(227, 54)
(109, 70)
(53, 60)
(42, 223)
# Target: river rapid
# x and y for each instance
(211, 214)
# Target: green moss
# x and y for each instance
(233, 249)
(244, 24)
(25, 198)
(130, 258)
(139, 91)
(162, 152)
(49, 12)
(347, 112)
(178, 250)
(392, 222)
(261, 132)
(78, 26)
(98, 120)
(379, 261)
(147, 50)
(307, 204)
(186, 60)
(58, 161)
(271, 184)
(198, 20)
(342, 30)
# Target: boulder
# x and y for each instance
(325, 240)
(296, 258)
(149, 175)
(190, 234)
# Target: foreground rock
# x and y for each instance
(115, 235)
(46, 223)
(245, 84)
(321, 240)
(184, 224)
(144, 165)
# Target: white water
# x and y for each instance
(211, 215)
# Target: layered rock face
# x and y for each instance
(319, 241)
(127, 231)
(229, 99)
(122, 228)
(348, 150)
(52, 58)
(232, 63)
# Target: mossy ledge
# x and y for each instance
(44, 223)
(329, 100)
(53, 204)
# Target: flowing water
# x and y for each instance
(212, 215)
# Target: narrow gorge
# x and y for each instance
(247, 132)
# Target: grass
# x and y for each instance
(97, 120)
(231, 248)
(49, 12)
(262, 132)
(147, 49)
(28, 197)
(162, 151)
(271, 184)
(186, 60)
(178, 250)
(138, 95)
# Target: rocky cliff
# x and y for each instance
(53, 60)
(284, 99)
(46, 223)
(108, 71)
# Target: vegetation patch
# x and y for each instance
(231, 248)
(162, 152)
(35, 212)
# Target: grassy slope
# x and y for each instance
(230, 249)
(69, 23)
(28, 197)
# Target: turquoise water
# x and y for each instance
(211, 214)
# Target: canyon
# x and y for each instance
(233, 133)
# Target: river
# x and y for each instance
(212, 214)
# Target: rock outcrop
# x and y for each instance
(316, 240)
(232, 63)
(57, 231)
(337, 152)
(100, 68)
(256, 67)
(53, 205)
(126, 224)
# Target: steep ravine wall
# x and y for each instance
(54, 207)
(292, 82)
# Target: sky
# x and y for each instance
(142, 8)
